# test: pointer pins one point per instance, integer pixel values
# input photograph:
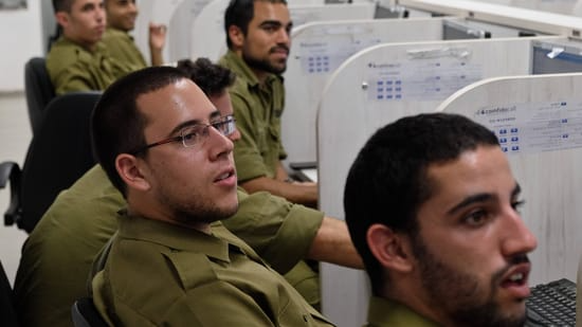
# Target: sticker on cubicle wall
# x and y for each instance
(12, 4)
(425, 80)
(322, 55)
(534, 127)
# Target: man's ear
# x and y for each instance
(131, 170)
(236, 36)
(390, 249)
(62, 18)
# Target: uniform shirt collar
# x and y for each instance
(174, 236)
(99, 48)
(385, 312)
(118, 33)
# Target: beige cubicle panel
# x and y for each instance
(538, 120)
(354, 105)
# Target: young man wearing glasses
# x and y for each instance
(82, 219)
(172, 262)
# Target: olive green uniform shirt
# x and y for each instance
(73, 68)
(122, 48)
(160, 274)
(258, 109)
(57, 256)
(388, 313)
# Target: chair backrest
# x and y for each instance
(39, 90)
(59, 154)
(85, 314)
(7, 309)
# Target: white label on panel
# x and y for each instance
(420, 80)
(534, 127)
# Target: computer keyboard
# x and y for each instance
(552, 304)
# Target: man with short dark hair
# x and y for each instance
(165, 147)
(78, 60)
(258, 39)
(432, 207)
(121, 16)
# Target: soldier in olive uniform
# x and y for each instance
(258, 45)
(164, 146)
(121, 16)
(78, 60)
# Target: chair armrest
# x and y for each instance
(10, 172)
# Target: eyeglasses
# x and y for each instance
(196, 134)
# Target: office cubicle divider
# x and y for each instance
(538, 121)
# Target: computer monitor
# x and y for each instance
(390, 12)
(555, 58)
(460, 31)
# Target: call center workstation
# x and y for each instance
(355, 66)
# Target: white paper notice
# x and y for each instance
(535, 127)
(420, 80)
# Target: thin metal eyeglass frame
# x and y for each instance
(225, 127)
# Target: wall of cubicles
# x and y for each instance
(319, 48)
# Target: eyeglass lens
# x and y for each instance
(192, 135)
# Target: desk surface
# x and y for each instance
(307, 174)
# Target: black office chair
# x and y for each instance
(85, 314)
(59, 153)
(7, 310)
(39, 90)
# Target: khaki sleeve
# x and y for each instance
(279, 231)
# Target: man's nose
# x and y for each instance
(518, 237)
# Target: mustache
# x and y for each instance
(278, 48)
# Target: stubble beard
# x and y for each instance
(458, 294)
(263, 64)
(196, 212)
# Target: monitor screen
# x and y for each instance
(555, 59)
(457, 31)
